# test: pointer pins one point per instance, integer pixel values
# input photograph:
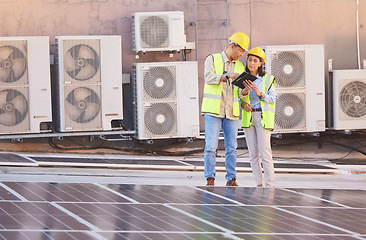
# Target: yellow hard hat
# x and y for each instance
(240, 39)
(257, 51)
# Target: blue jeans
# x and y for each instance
(212, 131)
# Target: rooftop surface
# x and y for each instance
(123, 196)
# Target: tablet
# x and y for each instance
(243, 77)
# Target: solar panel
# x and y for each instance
(58, 210)
(350, 198)
(59, 192)
(269, 196)
(276, 165)
(167, 194)
(12, 159)
(47, 234)
(107, 161)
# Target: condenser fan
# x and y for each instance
(160, 119)
(159, 82)
(352, 99)
(290, 111)
(14, 107)
(12, 64)
(154, 31)
(289, 68)
(82, 105)
(81, 62)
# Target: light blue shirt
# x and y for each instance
(269, 97)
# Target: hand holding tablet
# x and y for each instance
(243, 77)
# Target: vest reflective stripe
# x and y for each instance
(211, 101)
(213, 96)
(268, 109)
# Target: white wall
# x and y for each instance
(267, 22)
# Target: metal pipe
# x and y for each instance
(195, 29)
(358, 36)
(227, 21)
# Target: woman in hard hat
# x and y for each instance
(220, 106)
(258, 117)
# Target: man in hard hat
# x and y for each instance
(220, 106)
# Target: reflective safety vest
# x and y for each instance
(211, 101)
(268, 109)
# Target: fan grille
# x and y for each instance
(352, 99)
(83, 107)
(160, 119)
(160, 83)
(13, 62)
(289, 68)
(13, 107)
(290, 111)
(81, 60)
(154, 31)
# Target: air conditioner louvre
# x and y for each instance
(25, 86)
(299, 83)
(158, 31)
(89, 90)
(166, 100)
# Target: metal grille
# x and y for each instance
(154, 31)
(290, 111)
(83, 107)
(160, 119)
(134, 90)
(159, 83)
(13, 62)
(352, 99)
(14, 108)
(133, 30)
(81, 59)
(289, 68)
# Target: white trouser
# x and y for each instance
(259, 145)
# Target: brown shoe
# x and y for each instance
(232, 183)
(210, 181)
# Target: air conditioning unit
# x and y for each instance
(89, 86)
(25, 85)
(158, 31)
(299, 82)
(166, 100)
(349, 99)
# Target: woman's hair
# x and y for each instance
(261, 72)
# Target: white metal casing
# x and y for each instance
(102, 84)
(168, 91)
(158, 31)
(349, 99)
(299, 82)
(34, 85)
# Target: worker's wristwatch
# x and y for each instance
(226, 75)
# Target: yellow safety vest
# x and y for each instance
(211, 101)
(268, 109)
